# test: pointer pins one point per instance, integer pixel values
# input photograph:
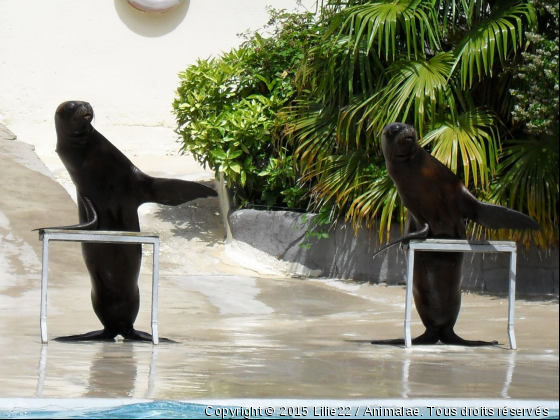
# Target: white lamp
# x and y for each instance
(154, 6)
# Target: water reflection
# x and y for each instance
(509, 374)
(152, 375)
(450, 371)
(114, 371)
(406, 374)
(42, 371)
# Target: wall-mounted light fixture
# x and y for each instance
(154, 6)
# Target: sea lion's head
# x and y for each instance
(399, 141)
(73, 118)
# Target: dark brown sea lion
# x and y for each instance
(438, 204)
(110, 189)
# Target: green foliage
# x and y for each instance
(528, 170)
(445, 66)
(227, 111)
(537, 99)
(318, 228)
(294, 115)
(528, 180)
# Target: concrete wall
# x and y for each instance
(124, 62)
(274, 238)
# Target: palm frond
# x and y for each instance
(417, 86)
(464, 12)
(377, 206)
(382, 23)
(312, 130)
(470, 140)
(339, 177)
(500, 34)
(528, 181)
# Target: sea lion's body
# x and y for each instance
(438, 204)
(110, 189)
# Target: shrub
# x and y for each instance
(537, 99)
(227, 111)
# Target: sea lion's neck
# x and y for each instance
(414, 157)
(73, 149)
(407, 158)
(76, 139)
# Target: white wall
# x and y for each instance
(124, 62)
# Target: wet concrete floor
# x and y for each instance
(240, 334)
(243, 337)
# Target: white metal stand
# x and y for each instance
(455, 245)
(47, 235)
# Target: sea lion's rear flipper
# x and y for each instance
(395, 342)
(426, 339)
(422, 233)
(136, 335)
(172, 192)
(86, 211)
(493, 216)
(101, 335)
(450, 338)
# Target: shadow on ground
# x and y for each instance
(197, 219)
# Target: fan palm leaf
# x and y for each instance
(455, 13)
(377, 206)
(381, 23)
(340, 177)
(499, 34)
(528, 181)
(311, 124)
(419, 86)
(470, 140)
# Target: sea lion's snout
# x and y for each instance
(395, 128)
(74, 117)
(399, 131)
(82, 111)
(86, 112)
(398, 140)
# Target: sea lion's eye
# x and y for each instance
(70, 106)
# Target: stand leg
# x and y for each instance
(44, 280)
(408, 304)
(155, 281)
(511, 317)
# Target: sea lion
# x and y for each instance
(110, 189)
(438, 204)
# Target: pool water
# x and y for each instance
(152, 410)
(179, 410)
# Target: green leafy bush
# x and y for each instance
(451, 69)
(293, 118)
(227, 111)
(537, 99)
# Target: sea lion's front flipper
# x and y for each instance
(172, 192)
(419, 234)
(86, 211)
(493, 216)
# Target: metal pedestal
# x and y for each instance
(454, 245)
(48, 235)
